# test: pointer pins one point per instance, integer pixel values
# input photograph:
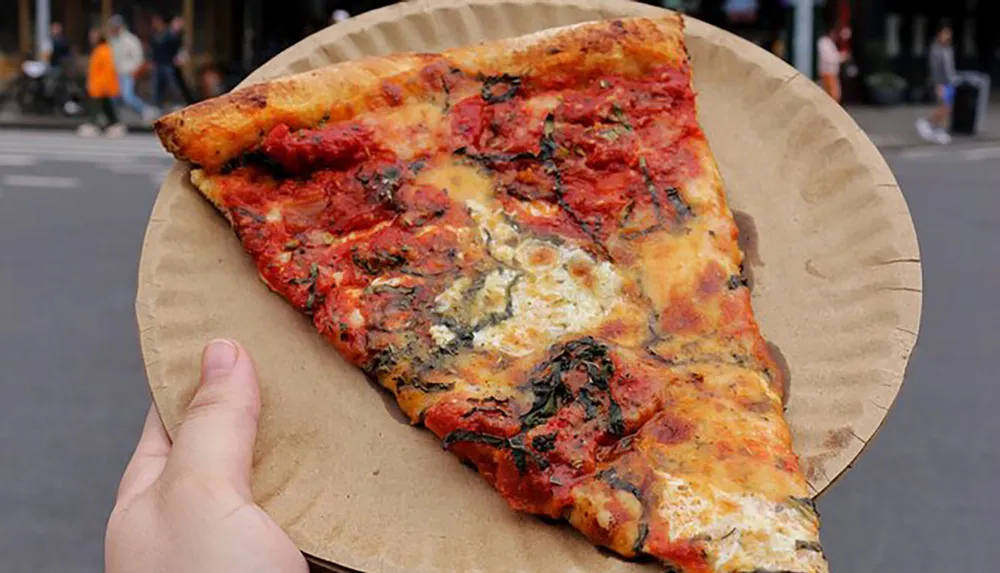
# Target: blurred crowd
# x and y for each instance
(118, 60)
(121, 72)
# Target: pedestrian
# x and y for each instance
(57, 53)
(187, 504)
(177, 27)
(829, 61)
(102, 88)
(127, 50)
(56, 50)
(941, 65)
(165, 48)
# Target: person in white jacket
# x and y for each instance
(128, 55)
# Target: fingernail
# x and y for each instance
(219, 358)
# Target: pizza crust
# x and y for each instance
(210, 133)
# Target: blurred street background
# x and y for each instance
(73, 211)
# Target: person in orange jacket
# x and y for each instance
(102, 86)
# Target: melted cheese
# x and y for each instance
(676, 262)
(450, 301)
(491, 299)
(495, 231)
(441, 334)
(741, 531)
(560, 290)
(414, 129)
(461, 182)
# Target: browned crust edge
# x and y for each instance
(212, 132)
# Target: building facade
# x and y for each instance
(235, 36)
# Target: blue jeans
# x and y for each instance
(126, 83)
(947, 95)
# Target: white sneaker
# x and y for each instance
(88, 130)
(116, 130)
(925, 129)
(941, 136)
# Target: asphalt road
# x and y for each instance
(72, 395)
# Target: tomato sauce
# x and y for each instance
(302, 151)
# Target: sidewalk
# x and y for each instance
(888, 127)
(894, 127)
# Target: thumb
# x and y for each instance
(215, 441)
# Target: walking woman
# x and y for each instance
(102, 87)
(829, 59)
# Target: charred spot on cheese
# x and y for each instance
(497, 89)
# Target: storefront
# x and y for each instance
(234, 36)
(894, 35)
(887, 37)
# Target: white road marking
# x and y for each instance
(133, 155)
(41, 181)
(65, 147)
(984, 153)
(952, 154)
(11, 160)
(58, 152)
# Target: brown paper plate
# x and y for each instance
(836, 286)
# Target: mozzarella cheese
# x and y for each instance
(559, 290)
(441, 334)
(740, 531)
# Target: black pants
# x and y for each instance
(167, 77)
(183, 86)
(103, 104)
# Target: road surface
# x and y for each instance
(72, 396)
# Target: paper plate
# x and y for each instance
(836, 285)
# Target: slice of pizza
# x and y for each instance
(527, 242)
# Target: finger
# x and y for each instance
(215, 441)
(148, 459)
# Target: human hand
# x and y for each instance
(188, 507)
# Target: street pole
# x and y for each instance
(803, 55)
(42, 15)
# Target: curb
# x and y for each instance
(965, 142)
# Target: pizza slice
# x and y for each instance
(527, 242)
